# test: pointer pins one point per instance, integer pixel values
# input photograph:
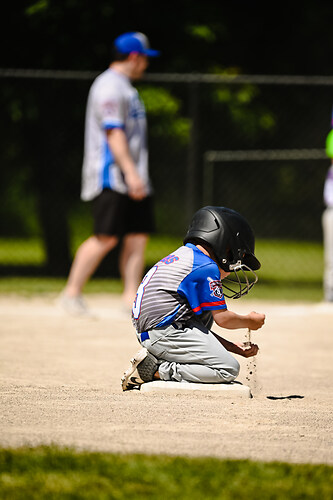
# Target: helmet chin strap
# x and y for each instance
(239, 284)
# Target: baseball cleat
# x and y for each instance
(143, 368)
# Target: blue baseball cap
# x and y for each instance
(134, 42)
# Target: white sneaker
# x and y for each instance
(75, 306)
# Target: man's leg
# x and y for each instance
(328, 254)
(88, 257)
(131, 264)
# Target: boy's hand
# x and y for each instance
(255, 320)
(229, 319)
(248, 350)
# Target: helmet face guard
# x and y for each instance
(240, 282)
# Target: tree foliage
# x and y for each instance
(192, 35)
(43, 120)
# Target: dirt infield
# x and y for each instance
(60, 383)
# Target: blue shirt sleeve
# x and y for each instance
(202, 287)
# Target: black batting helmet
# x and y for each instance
(228, 234)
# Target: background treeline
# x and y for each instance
(43, 118)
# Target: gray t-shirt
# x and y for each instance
(112, 103)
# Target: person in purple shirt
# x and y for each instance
(327, 223)
(184, 294)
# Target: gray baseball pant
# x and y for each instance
(190, 353)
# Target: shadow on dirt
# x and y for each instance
(293, 396)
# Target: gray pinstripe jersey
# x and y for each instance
(177, 288)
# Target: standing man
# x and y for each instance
(115, 173)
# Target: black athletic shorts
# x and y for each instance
(117, 214)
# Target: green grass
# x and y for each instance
(21, 251)
(52, 473)
(291, 270)
(28, 286)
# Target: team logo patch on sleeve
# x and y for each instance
(110, 107)
(216, 287)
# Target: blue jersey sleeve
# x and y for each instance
(202, 288)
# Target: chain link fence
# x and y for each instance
(252, 143)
